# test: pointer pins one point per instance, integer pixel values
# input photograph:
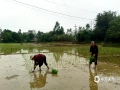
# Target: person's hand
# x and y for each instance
(90, 53)
(94, 55)
(36, 63)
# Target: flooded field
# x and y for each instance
(73, 71)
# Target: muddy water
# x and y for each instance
(73, 73)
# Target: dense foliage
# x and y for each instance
(106, 29)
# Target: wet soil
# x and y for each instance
(73, 74)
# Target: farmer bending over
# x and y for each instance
(94, 52)
(39, 59)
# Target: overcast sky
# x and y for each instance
(15, 16)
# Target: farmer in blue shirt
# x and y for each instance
(94, 52)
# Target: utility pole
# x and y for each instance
(75, 29)
(75, 33)
(91, 24)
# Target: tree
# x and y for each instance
(15, 37)
(25, 37)
(59, 30)
(56, 27)
(20, 36)
(83, 36)
(31, 36)
(7, 36)
(19, 31)
(46, 37)
(79, 29)
(102, 24)
(87, 26)
(69, 31)
(113, 33)
(39, 36)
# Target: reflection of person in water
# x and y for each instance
(93, 85)
(39, 81)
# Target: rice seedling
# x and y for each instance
(106, 54)
(29, 63)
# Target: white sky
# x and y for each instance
(15, 16)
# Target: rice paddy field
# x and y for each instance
(71, 61)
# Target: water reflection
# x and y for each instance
(93, 85)
(58, 55)
(35, 50)
(39, 80)
(44, 51)
(24, 51)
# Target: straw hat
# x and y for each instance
(31, 57)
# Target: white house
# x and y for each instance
(32, 31)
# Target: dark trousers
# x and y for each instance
(44, 61)
(41, 63)
(96, 57)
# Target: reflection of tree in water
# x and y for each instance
(39, 80)
(93, 85)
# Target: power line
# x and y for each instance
(72, 7)
(57, 6)
(66, 6)
(67, 9)
(50, 11)
(47, 12)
